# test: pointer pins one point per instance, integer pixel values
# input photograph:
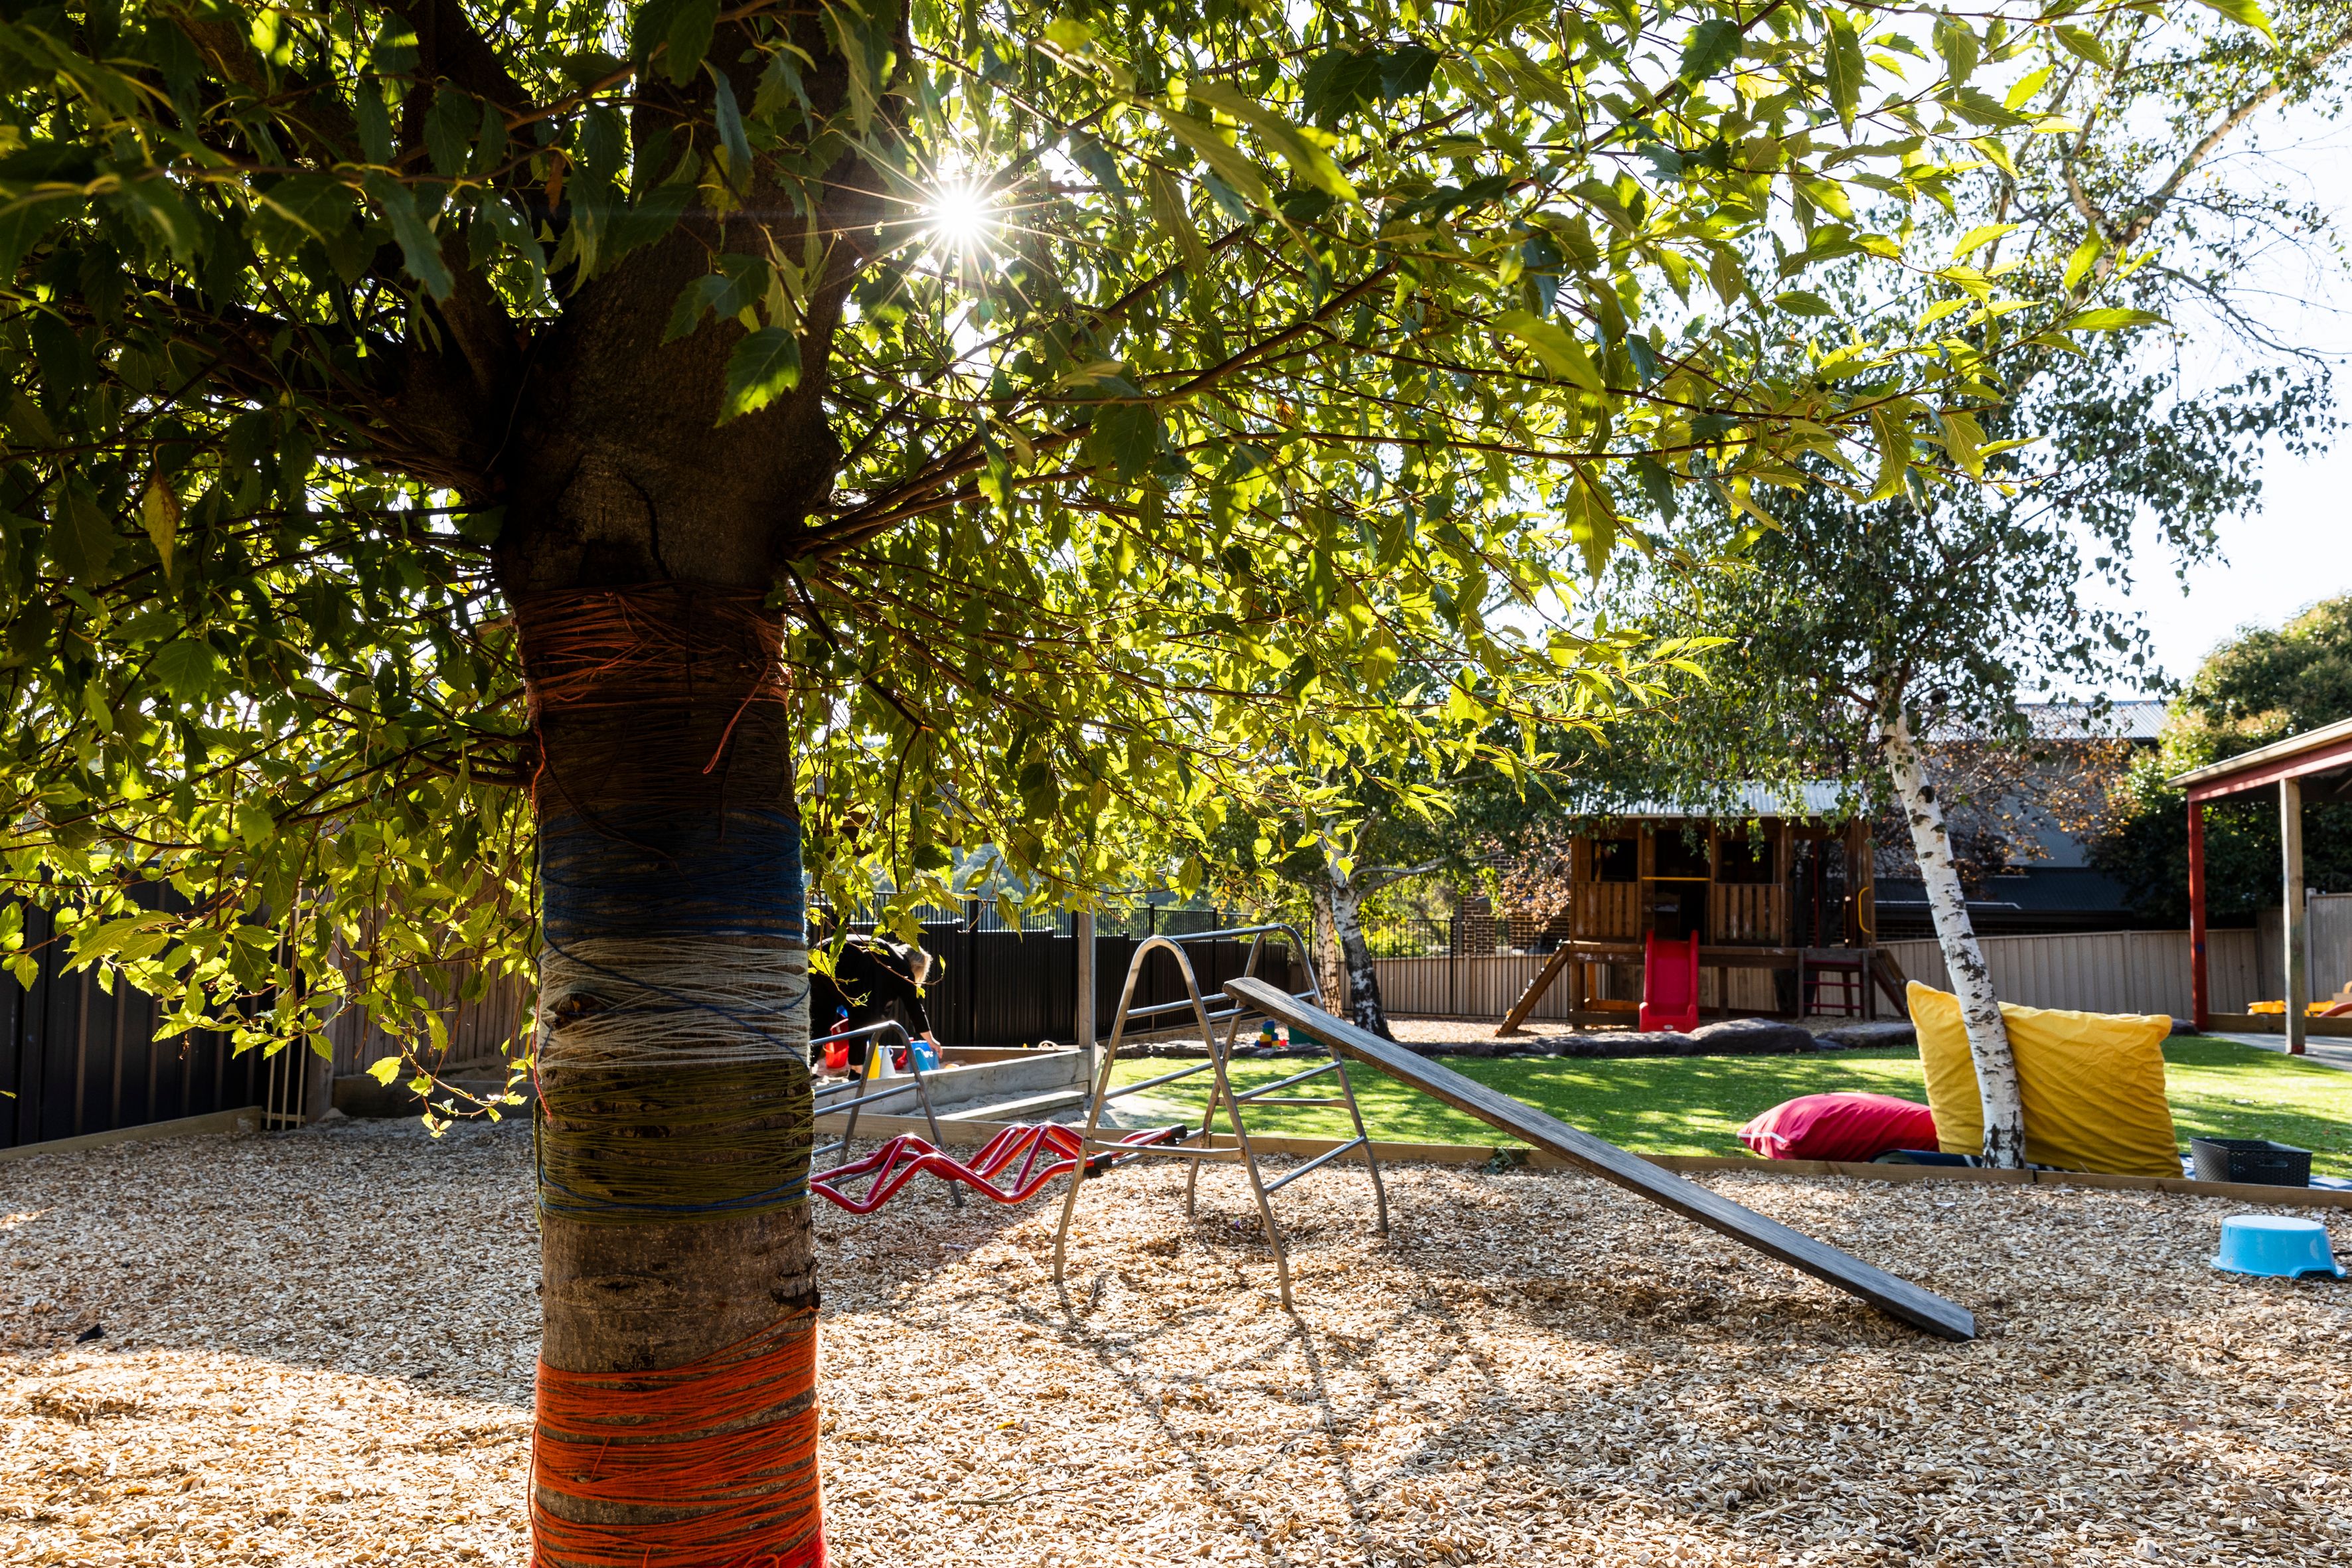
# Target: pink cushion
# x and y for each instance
(1840, 1126)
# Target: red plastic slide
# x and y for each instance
(1670, 983)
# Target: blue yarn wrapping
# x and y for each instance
(659, 876)
(659, 872)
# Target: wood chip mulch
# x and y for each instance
(316, 1349)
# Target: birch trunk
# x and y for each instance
(1331, 975)
(1364, 1005)
(1988, 1048)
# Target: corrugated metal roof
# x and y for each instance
(1813, 799)
(2136, 718)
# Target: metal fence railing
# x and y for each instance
(1469, 935)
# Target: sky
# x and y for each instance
(2297, 548)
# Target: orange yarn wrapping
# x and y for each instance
(664, 642)
(724, 1447)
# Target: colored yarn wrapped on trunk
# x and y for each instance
(722, 1449)
(682, 1004)
(649, 703)
(621, 1146)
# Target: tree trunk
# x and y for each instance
(1363, 981)
(1330, 971)
(1996, 1064)
(677, 1406)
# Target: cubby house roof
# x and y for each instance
(1751, 803)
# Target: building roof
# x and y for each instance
(2134, 719)
(2325, 750)
(1815, 799)
(2130, 719)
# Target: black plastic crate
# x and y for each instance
(2253, 1160)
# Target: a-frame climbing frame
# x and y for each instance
(1896, 1298)
(1223, 1096)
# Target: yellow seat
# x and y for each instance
(2093, 1085)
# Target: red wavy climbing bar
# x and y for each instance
(901, 1160)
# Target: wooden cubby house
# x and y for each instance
(1783, 906)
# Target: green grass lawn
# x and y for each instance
(1696, 1105)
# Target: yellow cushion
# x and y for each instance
(2093, 1085)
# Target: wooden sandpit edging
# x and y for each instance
(963, 1132)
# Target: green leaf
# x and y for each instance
(1306, 156)
(2246, 13)
(1963, 441)
(449, 127)
(154, 199)
(159, 511)
(82, 540)
(2082, 44)
(1803, 303)
(1219, 154)
(1558, 350)
(2078, 266)
(1842, 60)
(384, 1069)
(1176, 221)
(419, 248)
(1957, 42)
(1980, 237)
(2021, 92)
(1069, 35)
(1712, 45)
(731, 140)
(2108, 318)
(185, 668)
(1894, 436)
(688, 39)
(373, 120)
(764, 367)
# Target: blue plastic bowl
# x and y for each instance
(2275, 1247)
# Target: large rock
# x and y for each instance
(1624, 1043)
(1752, 1037)
(1884, 1036)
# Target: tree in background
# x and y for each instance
(2259, 687)
(1874, 619)
(510, 479)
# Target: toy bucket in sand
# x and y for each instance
(2276, 1247)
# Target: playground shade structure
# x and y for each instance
(1896, 1297)
(2093, 1085)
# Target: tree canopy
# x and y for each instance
(2262, 685)
(1111, 395)
(1964, 603)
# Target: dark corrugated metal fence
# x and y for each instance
(75, 1060)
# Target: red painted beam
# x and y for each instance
(2201, 998)
(2323, 759)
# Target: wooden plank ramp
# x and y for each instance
(1896, 1297)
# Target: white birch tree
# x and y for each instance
(1881, 616)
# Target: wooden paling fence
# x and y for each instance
(2095, 972)
(2104, 971)
(1463, 985)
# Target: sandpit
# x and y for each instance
(317, 1348)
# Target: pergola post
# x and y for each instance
(1082, 1023)
(2298, 982)
(2200, 993)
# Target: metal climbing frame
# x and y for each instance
(1223, 1094)
(878, 1043)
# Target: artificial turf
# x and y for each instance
(1695, 1105)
